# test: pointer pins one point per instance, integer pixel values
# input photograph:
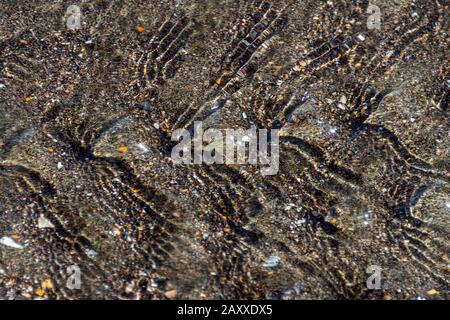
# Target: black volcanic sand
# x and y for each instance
(86, 177)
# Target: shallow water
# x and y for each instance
(87, 182)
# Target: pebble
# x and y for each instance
(47, 284)
(2, 85)
(142, 147)
(432, 292)
(171, 294)
(7, 241)
(146, 105)
(43, 223)
(299, 222)
(342, 102)
(123, 149)
(91, 253)
(59, 165)
(271, 262)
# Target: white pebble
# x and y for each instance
(271, 261)
(7, 241)
(143, 147)
(91, 253)
(43, 223)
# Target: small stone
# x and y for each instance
(123, 149)
(7, 241)
(176, 214)
(432, 292)
(271, 262)
(44, 223)
(143, 147)
(146, 105)
(39, 292)
(2, 85)
(59, 165)
(91, 253)
(129, 287)
(117, 231)
(47, 284)
(171, 294)
(139, 29)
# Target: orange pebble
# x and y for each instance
(123, 149)
(171, 294)
(139, 29)
(15, 237)
(218, 81)
(47, 284)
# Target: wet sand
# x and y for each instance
(87, 182)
